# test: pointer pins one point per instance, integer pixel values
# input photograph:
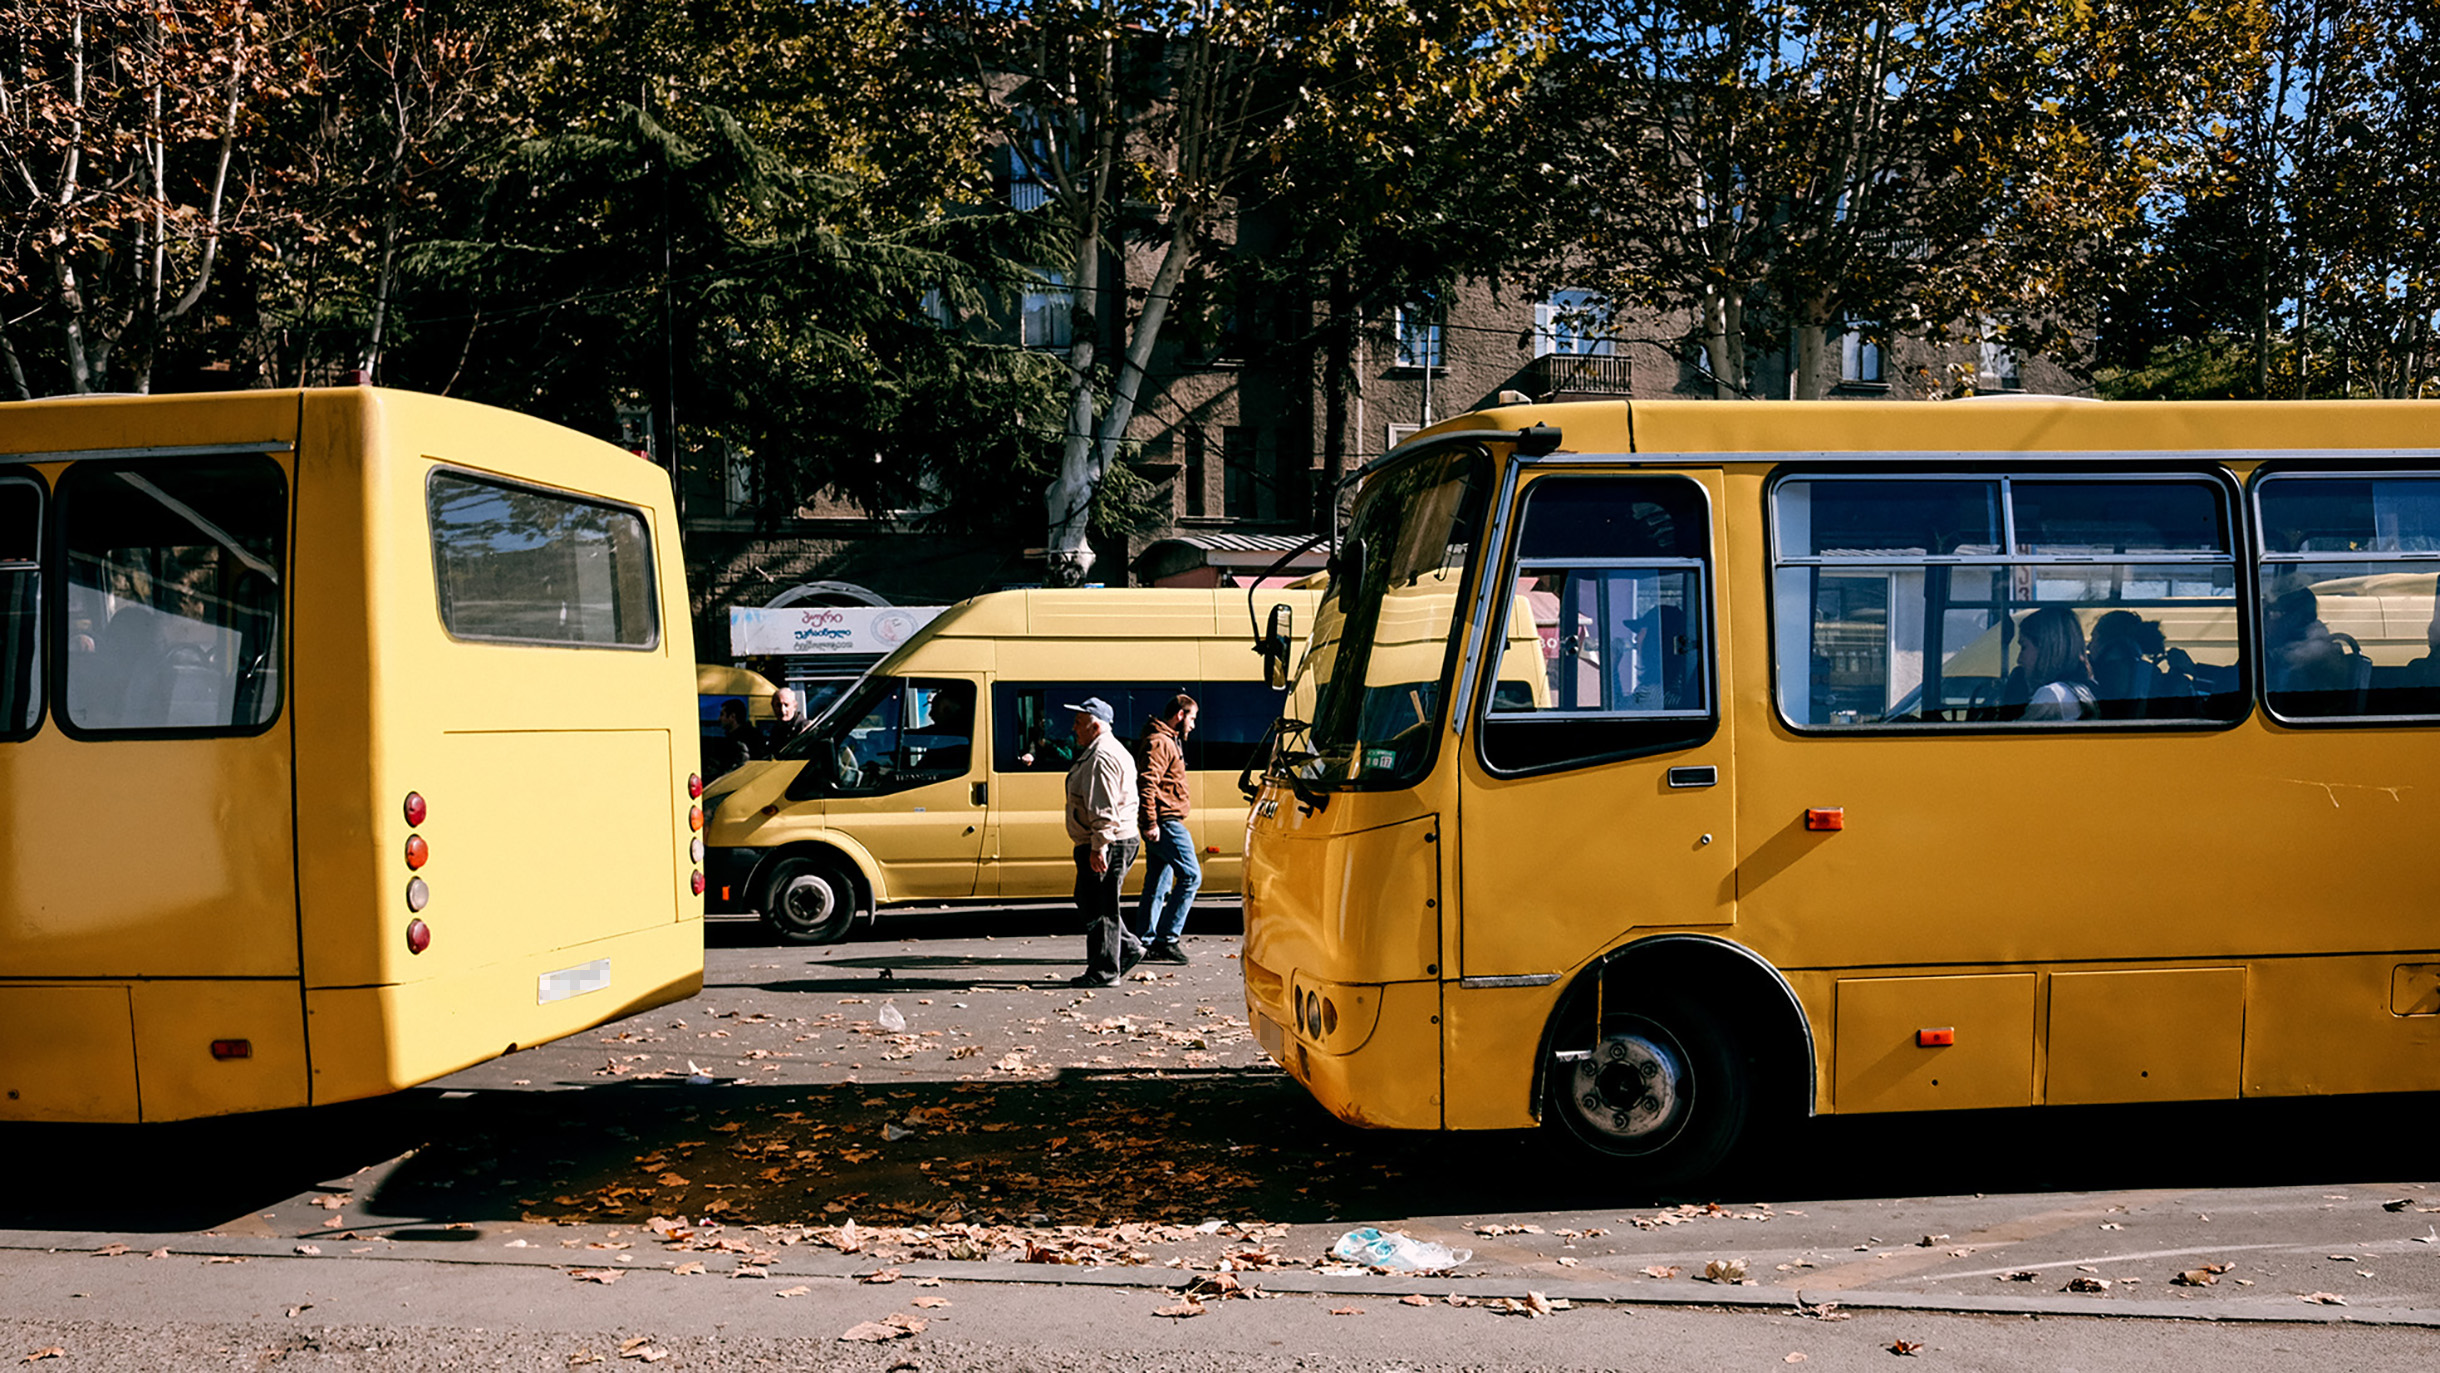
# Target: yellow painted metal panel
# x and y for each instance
(372, 1040)
(1493, 1033)
(66, 1053)
(2145, 1034)
(1394, 1085)
(1882, 1067)
(177, 1020)
(2316, 1025)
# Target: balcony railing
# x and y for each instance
(1580, 374)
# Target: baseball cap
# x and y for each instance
(1096, 707)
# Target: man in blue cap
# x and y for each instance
(1101, 805)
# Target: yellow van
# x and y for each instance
(941, 777)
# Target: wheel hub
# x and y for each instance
(807, 900)
(1631, 1089)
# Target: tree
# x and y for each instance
(125, 126)
(1911, 165)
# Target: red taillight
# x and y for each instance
(696, 882)
(694, 817)
(419, 936)
(418, 895)
(694, 787)
(418, 852)
(232, 1048)
(415, 808)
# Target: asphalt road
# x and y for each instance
(1042, 1167)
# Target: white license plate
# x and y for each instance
(576, 981)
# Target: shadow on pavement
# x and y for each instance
(1091, 1147)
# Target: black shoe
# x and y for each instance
(1092, 980)
(1129, 957)
(1166, 951)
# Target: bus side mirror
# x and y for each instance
(1277, 642)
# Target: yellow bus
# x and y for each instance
(345, 741)
(1890, 757)
(941, 776)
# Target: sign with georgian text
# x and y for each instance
(856, 629)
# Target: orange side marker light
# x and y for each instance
(1941, 1038)
(232, 1048)
(1824, 818)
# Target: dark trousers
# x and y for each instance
(1106, 939)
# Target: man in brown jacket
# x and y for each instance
(1171, 874)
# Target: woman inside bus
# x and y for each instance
(2052, 678)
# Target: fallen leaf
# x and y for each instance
(792, 1291)
(2200, 1277)
(1929, 1240)
(1905, 1346)
(930, 1303)
(687, 1270)
(880, 1276)
(2399, 1205)
(48, 1351)
(1414, 1299)
(1793, 1358)
(1826, 1311)
(158, 1254)
(309, 1249)
(110, 1251)
(2023, 1275)
(604, 1276)
(582, 1357)
(1724, 1270)
(1179, 1312)
(226, 1258)
(894, 1326)
(1660, 1271)
(2324, 1299)
(2083, 1284)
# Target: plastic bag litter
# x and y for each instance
(891, 1019)
(1397, 1251)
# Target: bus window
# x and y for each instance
(174, 594)
(1036, 731)
(518, 565)
(20, 606)
(1987, 600)
(1230, 724)
(1612, 572)
(2350, 619)
(893, 734)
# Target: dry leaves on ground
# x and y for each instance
(797, 1291)
(1347, 1311)
(2204, 1276)
(604, 1276)
(1181, 1311)
(48, 1351)
(1827, 1311)
(1535, 1305)
(642, 1348)
(2086, 1285)
(1794, 1358)
(931, 1303)
(1414, 1299)
(2324, 1298)
(1724, 1271)
(1905, 1346)
(1660, 1270)
(895, 1326)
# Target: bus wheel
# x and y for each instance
(1665, 1088)
(809, 901)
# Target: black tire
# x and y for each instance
(809, 901)
(1667, 1090)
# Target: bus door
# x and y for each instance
(898, 774)
(1598, 794)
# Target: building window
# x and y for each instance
(1194, 477)
(1047, 308)
(1998, 370)
(1418, 324)
(1029, 166)
(1859, 355)
(1572, 321)
(1242, 487)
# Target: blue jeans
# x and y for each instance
(1171, 879)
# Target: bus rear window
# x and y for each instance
(20, 605)
(173, 594)
(516, 565)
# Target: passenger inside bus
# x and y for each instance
(2052, 681)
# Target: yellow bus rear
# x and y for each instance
(348, 743)
(1793, 825)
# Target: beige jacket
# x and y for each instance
(1101, 795)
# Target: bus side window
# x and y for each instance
(177, 570)
(1230, 724)
(1614, 573)
(20, 606)
(2350, 595)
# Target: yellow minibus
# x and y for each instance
(1888, 757)
(346, 740)
(941, 776)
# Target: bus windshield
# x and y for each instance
(1385, 637)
